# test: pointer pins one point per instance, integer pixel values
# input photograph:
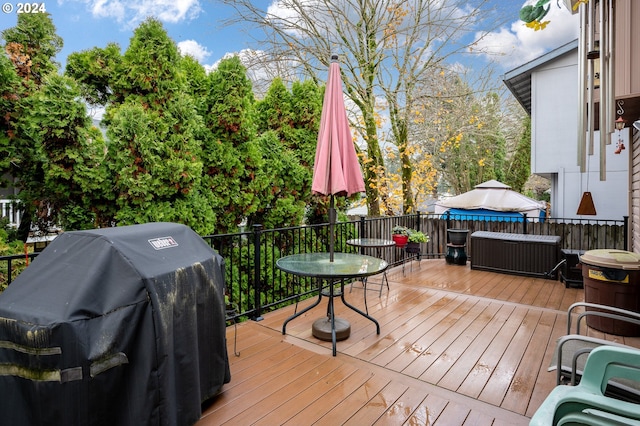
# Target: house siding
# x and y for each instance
(634, 220)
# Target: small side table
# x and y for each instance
(379, 245)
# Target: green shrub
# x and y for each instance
(10, 245)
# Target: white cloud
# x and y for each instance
(194, 49)
(108, 9)
(132, 12)
(518, 44)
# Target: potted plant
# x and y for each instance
(414, 241)
(400, 235)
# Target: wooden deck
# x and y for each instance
(457, 347)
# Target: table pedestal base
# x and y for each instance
(321, 329)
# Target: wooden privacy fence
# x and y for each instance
(575, 234)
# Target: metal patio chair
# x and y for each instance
(572, 349)
(586, 403)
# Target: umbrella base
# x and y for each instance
(321, 329)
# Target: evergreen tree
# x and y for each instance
(10, 93)
(32, 46)
(289, 121)
(306, 103)
(44, 128)
(94, 70)
(231, 154)
(196, 78)
(280, 203)
(519, 168)
(154, 137)
(69, 155)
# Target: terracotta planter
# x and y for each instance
(400, 240)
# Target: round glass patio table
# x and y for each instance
(344, 266)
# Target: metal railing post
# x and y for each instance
(362, 231)
(257, 281)
(9, 271)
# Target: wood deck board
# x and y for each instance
(521, 387)
(378, 405)
(456, 346)
(431, 408)
(301, 378)
(503, 374)
(412, 349)
(484, 369)
(468, 361)
(329, 399)
(396, 329)
(402, 408)
(301, 401)
(350, 405)
(435, 354)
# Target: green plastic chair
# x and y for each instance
(586, 403)
(590, 417)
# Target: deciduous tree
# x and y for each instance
(461, 129)
(385, 48)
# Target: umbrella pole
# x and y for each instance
(332, 221)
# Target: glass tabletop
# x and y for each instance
(344, 265)
(370, 242)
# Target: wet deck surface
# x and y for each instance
(457, 346)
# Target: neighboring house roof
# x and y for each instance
(518, 80)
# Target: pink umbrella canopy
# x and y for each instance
(336, 170)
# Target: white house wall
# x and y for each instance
(554, 114)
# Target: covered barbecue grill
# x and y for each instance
(117, 326)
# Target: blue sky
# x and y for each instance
(196, 25)
(84, 24)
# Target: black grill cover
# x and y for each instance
(117, 326)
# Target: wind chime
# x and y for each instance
(592, 52)
(620, 122)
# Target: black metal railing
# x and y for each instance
(255, 285)
(12, 265)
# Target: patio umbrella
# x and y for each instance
(336, 170)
